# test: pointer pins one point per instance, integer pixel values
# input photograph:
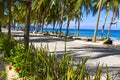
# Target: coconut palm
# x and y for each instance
(27, 22)
(114, 5)
(82, 6)
(19, 12)
(78, 19)
(107, 8)
(97, 21)
(53, 15)
(103, 26)
(9, 5)
(70, 11)
(43, 7)
(62, 7)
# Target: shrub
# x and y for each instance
(6, 44)
(38, 64)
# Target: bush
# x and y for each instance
(6, 44)
(38, 64)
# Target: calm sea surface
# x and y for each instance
(114, 34)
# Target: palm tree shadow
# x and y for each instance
(39, 38)
(105, 51)
(114, 72)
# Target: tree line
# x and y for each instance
(55, 12)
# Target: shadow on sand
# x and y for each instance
(105, 52)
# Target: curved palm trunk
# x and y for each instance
(67, 31)
(37, 21)
(27, 25)
(97, 23)
(78, 26)
(75, 31)
(103, 26)
(42, 23)
(9, 19)
(61, 20)
(46, 28)
(61, 23)
(111, 22)
(53, 25)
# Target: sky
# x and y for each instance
(89, 22)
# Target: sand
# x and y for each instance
(98, 52)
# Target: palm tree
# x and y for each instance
(114, 4)
(27, 23)
(61, 13)
(82, 6)
(97, 22)
(53, 16)
(70, 12)
(1, 14)
(103, 26)
(107, 8)
(43, 7)
(19, 12)
(9, 4)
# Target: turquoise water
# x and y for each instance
(114, 34)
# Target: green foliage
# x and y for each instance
(5, 44)
(38, 64)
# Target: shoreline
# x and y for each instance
(83, 32)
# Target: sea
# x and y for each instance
(114, 34)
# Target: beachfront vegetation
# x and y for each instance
(39, 64)
(35, 64)
(55, 12)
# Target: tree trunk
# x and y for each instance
(9, 19)
(36, 26)
(27, 25)
(75, 31)
(67, 30)
(53, 25)
(61, 20)
(78, 26)
(97, 23)
(108, 34)
(0, 27)
(37, 21)
(101, 36)
(46, 28)
(42, 23)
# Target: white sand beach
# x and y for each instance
(98, 52)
